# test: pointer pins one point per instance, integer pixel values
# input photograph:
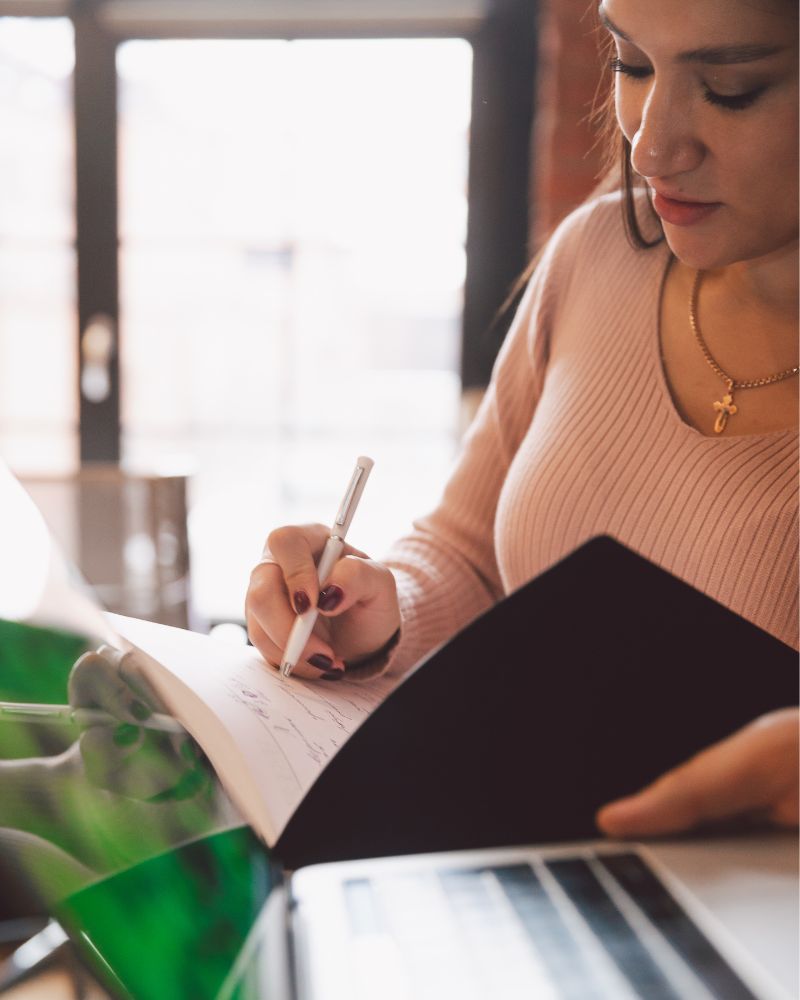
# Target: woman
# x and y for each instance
(650, 394)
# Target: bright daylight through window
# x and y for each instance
(38, 395)
(292, 258)
(293, 218)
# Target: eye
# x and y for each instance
(636, 72)
(733, 102)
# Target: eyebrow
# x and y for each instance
(718, 55)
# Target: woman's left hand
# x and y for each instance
(753, 774)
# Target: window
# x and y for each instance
(293, 218)
(296, 283)
(38, 396)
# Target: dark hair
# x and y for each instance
(615, 174)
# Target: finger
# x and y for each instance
(132, 672)
(732, 777)
(318, 656)
(268, 607)
(296, 550)
(268, 613)
(94, 682)
(262, 642)
(322, 660)
(357, 581)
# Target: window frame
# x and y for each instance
(503, 35)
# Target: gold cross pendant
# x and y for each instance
(725, 408)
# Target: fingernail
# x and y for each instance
(301, 602)
(335, 675)
(139, 710)
(320, 661)
(125, 735)
(330, 598)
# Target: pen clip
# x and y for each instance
(353, 494)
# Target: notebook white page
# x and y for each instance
(267, 737)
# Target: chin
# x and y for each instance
(708, 252)
(697, 253)
(712, 246)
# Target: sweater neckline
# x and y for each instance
(664, 389)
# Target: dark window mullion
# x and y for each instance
(503, 82)
(95, 83)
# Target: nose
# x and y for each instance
(665, 142)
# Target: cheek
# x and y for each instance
(766, 161)
(789, 153)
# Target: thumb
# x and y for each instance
(744, 773)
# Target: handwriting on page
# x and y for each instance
(284, 730)
(305, 718)
(292, 728)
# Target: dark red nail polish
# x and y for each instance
(301, 601)
(334, 675)
(330, 598)
(320, 661)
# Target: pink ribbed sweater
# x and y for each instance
(577, 436)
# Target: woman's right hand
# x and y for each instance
(359, 610)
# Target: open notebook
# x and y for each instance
(584, 685)
(268, 737)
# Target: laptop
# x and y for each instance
(681, 920)
(688, 919)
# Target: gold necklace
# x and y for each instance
(726, 407)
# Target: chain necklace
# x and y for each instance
(726, 407)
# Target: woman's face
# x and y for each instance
(707, 95)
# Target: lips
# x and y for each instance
(682, 213)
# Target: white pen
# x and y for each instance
(304, 623)
(12, 711)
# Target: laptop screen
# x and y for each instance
(172, 926)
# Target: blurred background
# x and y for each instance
(244, 241)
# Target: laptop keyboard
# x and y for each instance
(597, 927)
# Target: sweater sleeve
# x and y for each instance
(446, 569)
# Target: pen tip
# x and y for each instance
(286, 668)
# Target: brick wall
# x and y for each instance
(565, 165)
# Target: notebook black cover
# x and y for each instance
(583, 685)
